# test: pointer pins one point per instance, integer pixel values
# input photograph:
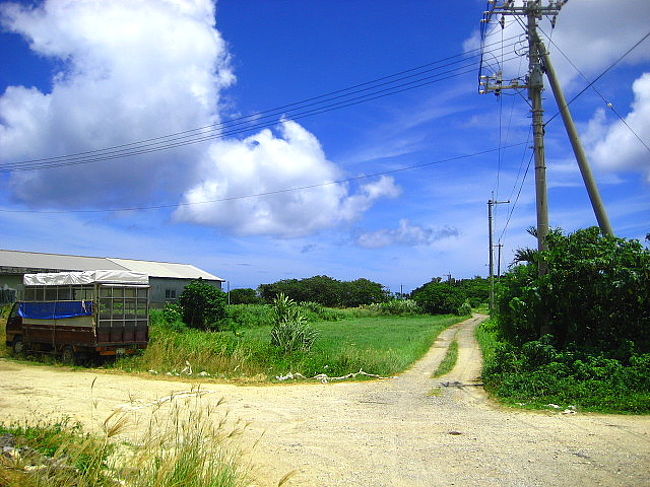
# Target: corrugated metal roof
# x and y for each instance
(37, 260)
(165, 269)
(58, 262)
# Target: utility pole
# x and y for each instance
(490, 204)
(578, 150)
(539, 63)
(499, 246)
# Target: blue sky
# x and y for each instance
(88, 74)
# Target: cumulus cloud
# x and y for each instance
(613, 145)
(129, 70)
(406, 234)
(134, 69)
(264, 163)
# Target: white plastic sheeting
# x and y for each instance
(86, 277)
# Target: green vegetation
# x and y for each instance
(578, 335)
(383, 345)
(327, 291)
(245, 296)
(189, 448)
(449, 361)
(202, 305)
(453, 296)
(290, 331)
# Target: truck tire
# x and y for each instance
(68, 356)
(17, 346)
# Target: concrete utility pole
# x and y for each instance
(490, 204)
(539, 63)
(581, 156)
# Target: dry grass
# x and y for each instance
(184, 444)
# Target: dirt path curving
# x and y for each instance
(408, 431)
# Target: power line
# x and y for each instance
(74, 160)
(370, 91)
(271, 193)
(609, 68)
(593, 87)
(514, 205)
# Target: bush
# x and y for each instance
(439, 298)
(245, 296)
(326, 291)
(595, 294)
(203, 305)
(172, 312)
(464, 309)
(291, 332)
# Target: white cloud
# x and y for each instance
(591, 33)
(130, 70)
(406, 234)
(614, 146)
(264, 163)
(136, 69)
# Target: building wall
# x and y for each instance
(11, 281)
(164, 289)
(8, 284)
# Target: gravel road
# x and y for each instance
(406, 431)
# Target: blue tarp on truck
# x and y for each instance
(55, 310)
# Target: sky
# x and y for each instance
(285, 182)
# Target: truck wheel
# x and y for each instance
(18, 346)
(68, 357)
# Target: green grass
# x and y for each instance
(536, 375)
(383, 345)
(449, 361)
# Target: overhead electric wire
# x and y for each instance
(251, 122)
(514, 205)
(609, 68)
(593, 86)
(316, 111)
(271, 193)
(92, 156)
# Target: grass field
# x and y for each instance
(383, 345)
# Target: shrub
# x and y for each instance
(172, 312)
(326, 291)
(245, 296)
(203, 305)
(464, 309)
(595, 294)
(439, 298)
(291, 332)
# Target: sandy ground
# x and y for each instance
(391, 432)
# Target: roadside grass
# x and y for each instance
(449, 361)
(536, 375)
(383, 345)
(187, 445)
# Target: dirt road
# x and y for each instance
(381, 433)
